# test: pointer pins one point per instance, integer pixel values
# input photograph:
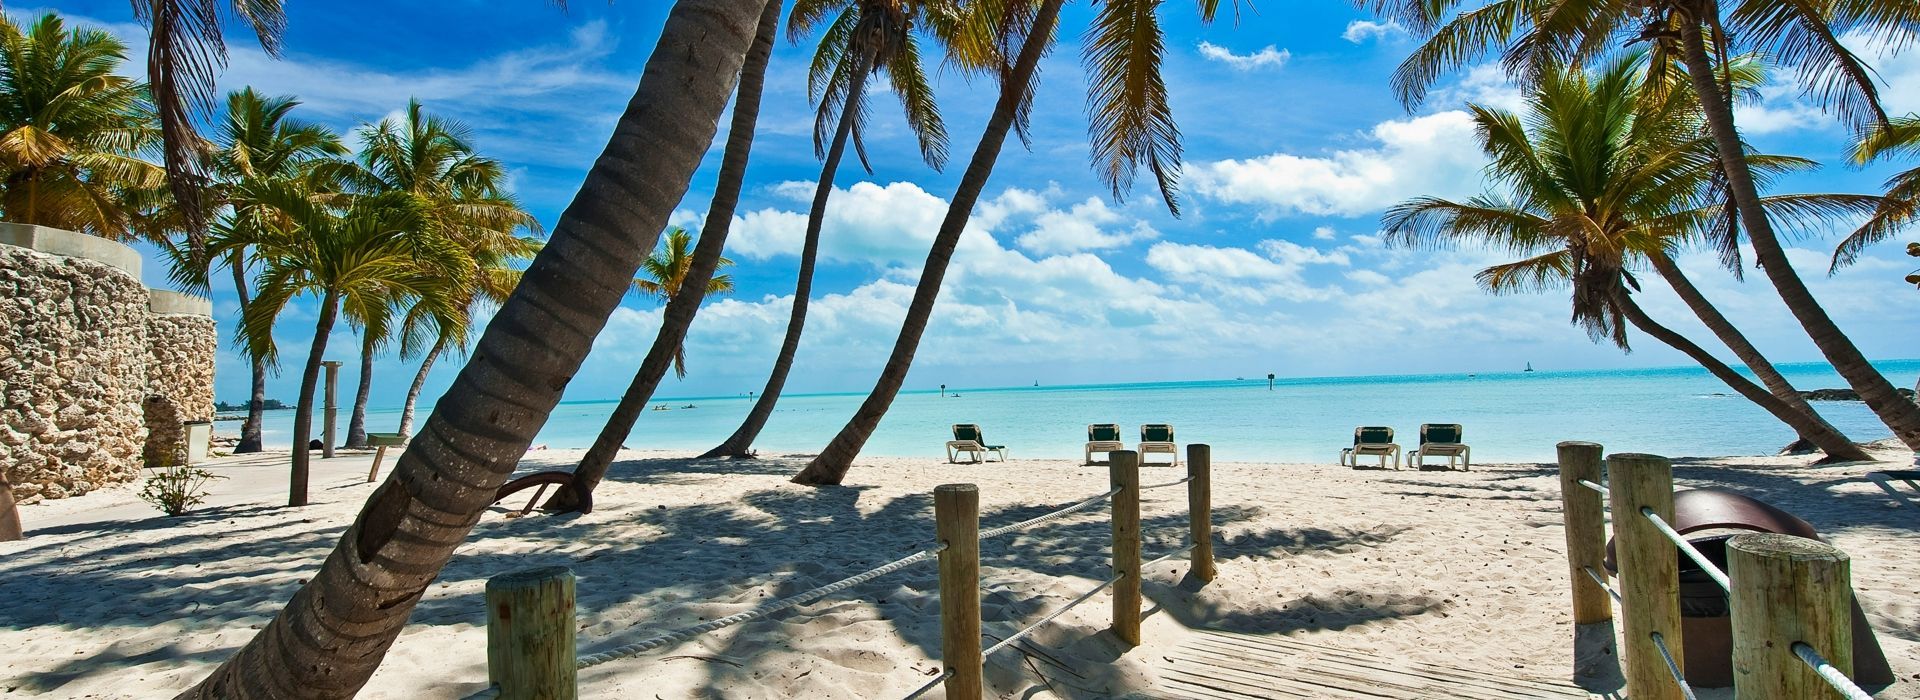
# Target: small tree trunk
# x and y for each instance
(1828, 438)
(331, 636)
(739, 443)
(831, 465)
(1799, 422)
(419, 381)
(678, 317)
(303, 410)
(357, 421)
(10, 529)
(257, 398)
(1900, 415)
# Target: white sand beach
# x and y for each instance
(108, 599)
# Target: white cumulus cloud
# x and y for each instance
(1360, 30)
(1436, 154)
(1269, 57)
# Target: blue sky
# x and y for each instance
(1294, 146)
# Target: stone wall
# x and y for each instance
(91, 362)
(73, 370)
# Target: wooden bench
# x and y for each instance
(381, 441)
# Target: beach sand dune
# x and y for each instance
(107, 599)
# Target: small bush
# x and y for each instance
(175, 490)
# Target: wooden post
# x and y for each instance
(1649, 572)
(1788, 589)
(332, 410)
(379, 453)
(1585, 517)
(530, 634)
(956, 516)
(1124, 473)
(1200, 509)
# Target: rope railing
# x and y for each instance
(1602, 581)
(530, 641)
(1175, 482)
(1680, 541)
(1828, 673)
(1673, 667)
(1602, 490)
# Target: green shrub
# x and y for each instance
(175, 490)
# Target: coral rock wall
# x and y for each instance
(179, 380)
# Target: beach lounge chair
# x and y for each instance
(967, 438)
(1158, 437)
(1371, 440)
(1103, 437)
(1441, 440)
(1885, 481)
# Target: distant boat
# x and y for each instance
(1036, 383)
(1529, 367)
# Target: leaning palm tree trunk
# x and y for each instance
(419, 381)
(831, 465)
(678, 317)
(1801, 423)
(1901, 415)
(1826, 437)
(257, 398)
(357, 421)
(332, 634)
(738, 444)
(303, 408)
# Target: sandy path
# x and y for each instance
(106, 599)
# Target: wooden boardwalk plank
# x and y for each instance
(1217, 665)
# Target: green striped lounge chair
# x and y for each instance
(1104, 437)
(1371, 441)
(1441, 440)
(968, 439)
(1158, 438)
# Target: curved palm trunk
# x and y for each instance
(10, 529)
(1900, 415)
(257, 398)
(357, 422)
(681, 309)
(738, 444)
(1801, 423)
(1826, 437)
(333, 633)
(303, 409)
(419, 381)
(831, 465)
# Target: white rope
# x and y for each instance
(637, 648)
(1175, 482)
(935, 683)
(1594, 486)
(1832, 675)
(1168, 555)
(1022, 634)
(1672, 667)
(1597, 578)
(1713, 572)
(1024, 524)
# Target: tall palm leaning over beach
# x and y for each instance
(332, 634)
(257, 140)
(864, 38)
(1597, 175)
(677, 318)
(71, 130)
(1131, 126)
(462, 199)
(1694, 33)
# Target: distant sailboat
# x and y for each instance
(1529, 367)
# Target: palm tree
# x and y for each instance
(677, 318)
(257, 140)
(1599, 174)
(1131, 126)
(360, 256)
(331, 636)
(71, 130)
(1537, 33)
(1901, 206)
(665, 277)
(184, 51)
(450, 326)
(433, 162)
(865, 38)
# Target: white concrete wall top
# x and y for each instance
(53, 241)
(161, 301)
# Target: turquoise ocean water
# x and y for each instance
(1515, 416)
